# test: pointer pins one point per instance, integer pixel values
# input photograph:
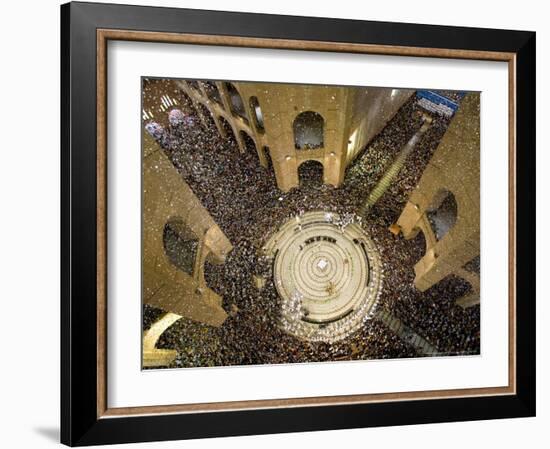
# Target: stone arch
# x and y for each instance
(227, 129)
(442, 213)
(310, 172)
(152, 356)
(257, 114)
(166, 282)
(212, 91)
(207, 116)
(235, 101)
(308, 130)
(249, 143)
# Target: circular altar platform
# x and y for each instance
(327, 272)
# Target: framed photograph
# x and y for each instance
(282, 224)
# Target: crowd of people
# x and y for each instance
(243, 199)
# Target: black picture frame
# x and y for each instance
(81, 424)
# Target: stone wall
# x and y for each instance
(352, 117)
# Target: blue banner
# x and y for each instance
(435, 102)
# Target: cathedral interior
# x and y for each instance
(287, 223)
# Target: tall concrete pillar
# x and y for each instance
(453, 168)
(168, 199)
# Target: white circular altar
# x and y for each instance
(327, 272)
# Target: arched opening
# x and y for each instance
(308, 131)
(207, 116)
(228, 131)
(310, 173)
(235, 101)
(180, 245)
(212, 91)
(442, 213)
(257, 114)
(419, 245)
(249, 143)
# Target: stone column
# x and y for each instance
(167, 198)
(454, 168)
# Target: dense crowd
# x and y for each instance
(242, 197)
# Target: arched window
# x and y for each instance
(212, 91)
(228, 131)
(442, 213)
(207, 116)
(180, 245)
(311, 173)
(236, 102)
(308, 131)
(257, 114)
